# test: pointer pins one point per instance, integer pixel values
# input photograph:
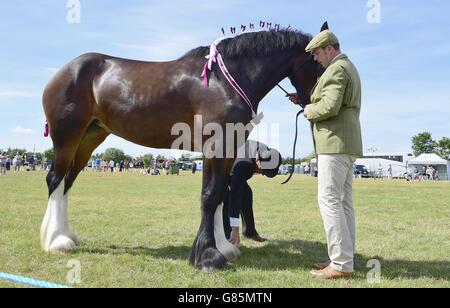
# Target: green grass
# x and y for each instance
(136, 231)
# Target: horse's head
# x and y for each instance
(305, 72)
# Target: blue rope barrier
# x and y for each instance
(32, 282)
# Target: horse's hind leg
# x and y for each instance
(56, 235)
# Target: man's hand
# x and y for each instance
(305, 110)
(293, 97)
(234, 237)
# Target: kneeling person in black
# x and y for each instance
(253, 157)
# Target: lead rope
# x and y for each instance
(295, 143)
(295, 140)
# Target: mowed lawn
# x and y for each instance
(137, 231)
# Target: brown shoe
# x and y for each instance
(321, 266)
(256, 238)
(329, 273)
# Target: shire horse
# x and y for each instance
(96, 95)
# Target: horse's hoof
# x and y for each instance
(230, 252)
(211, 260)
(62, 244)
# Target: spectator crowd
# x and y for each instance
(21, 162)
(426, 173)
(30, 162)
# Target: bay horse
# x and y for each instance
(96, 95)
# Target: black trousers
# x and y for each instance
(248, 221)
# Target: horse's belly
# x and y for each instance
(147, 125)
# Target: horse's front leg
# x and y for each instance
(211, 250)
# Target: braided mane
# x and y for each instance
(257, 43)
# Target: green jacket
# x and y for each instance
(335, 109)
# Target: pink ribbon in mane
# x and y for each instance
(214, 56)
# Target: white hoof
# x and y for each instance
(62, 244)
(230, 251)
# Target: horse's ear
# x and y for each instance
(324, 27)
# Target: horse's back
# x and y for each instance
(74, 82)
(74, 75)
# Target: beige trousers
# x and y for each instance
(336, 206)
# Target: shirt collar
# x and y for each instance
(341, 55)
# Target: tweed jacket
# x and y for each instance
(335, 109)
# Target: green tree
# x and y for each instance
(423, 143)
(443, 148)
(49, 154)
(114, 154)
(12, 152)
(147, 159)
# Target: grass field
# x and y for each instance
(136, 231)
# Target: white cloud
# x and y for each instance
(21, 130)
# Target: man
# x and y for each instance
(98, 164)
(3, 163)
(253, 157)
(17, 162)
(335, 109)
(380, 171)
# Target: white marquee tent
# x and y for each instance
(440, 164)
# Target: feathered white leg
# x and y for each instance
(230, 251)
(56, 235)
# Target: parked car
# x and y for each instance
(362, 171)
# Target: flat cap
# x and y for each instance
(323, 39)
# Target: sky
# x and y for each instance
(400, 48)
